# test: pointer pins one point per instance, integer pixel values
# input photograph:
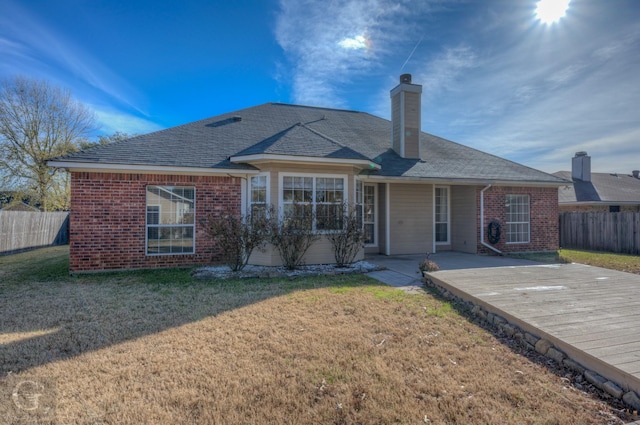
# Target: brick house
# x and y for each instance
(138, 203)
(597, 192)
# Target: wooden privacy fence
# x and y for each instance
(21, 230)
(602, 231)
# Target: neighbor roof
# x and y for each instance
(301, 131)
(603, 188)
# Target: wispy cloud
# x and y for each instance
(441, 72)
(28, 46)
(111, 121)
(331, 45)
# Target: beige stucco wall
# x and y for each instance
(464, 226)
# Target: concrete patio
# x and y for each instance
(590, 314)
(402, 270)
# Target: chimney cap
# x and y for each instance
(581, 153)
(405, 78)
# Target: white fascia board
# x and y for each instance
(144, 169)
(265, 157)
(459, 182)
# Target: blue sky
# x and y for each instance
(494, 77)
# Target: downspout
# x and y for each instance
(482, 222)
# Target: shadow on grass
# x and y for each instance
(48, 315)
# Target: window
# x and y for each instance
(517, 218)
(258, 197)
(170, 220)
(442, 215)
(303, 196)
(366, 210)
(614, 208)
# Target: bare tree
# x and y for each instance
(102, 140)
(38, 121)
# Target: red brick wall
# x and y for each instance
(108, 217)
(543, 204)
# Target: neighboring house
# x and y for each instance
(597, 192)
(140, 203)
(19, 206)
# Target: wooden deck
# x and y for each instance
(591, 314)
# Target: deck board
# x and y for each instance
(590, 313)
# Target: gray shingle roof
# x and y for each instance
(603, 187)
(294, 130)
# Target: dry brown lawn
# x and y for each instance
(160, 348)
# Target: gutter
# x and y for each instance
(146, 169)
(482, 222)
(460, 182)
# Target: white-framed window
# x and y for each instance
(442, 214)
(518, 218)
(303, 195)
(170, 226)
(258, 195)
(366, 202)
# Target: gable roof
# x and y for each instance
(603, 188)
(221, 142)
(19, 206)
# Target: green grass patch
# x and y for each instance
(40, 265)
(621, 262)
(551, 257)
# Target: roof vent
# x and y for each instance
(237, 118)
(636, 174)
(405, 78)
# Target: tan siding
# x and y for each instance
(412, 218)
(382, 218)
(464, 227)
(395, 122)
(412, 125)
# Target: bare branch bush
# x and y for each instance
(293, 235)
(347, 238)
(237, 236)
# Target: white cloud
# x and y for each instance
(357, 42)
(441, 72)
(38, 50)
(328, 47)
(111, 121)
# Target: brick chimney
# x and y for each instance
(636, 174)
(405, 118)
(581, 167)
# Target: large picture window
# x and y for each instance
(321, 197)
(170, 220)
(518, 218)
